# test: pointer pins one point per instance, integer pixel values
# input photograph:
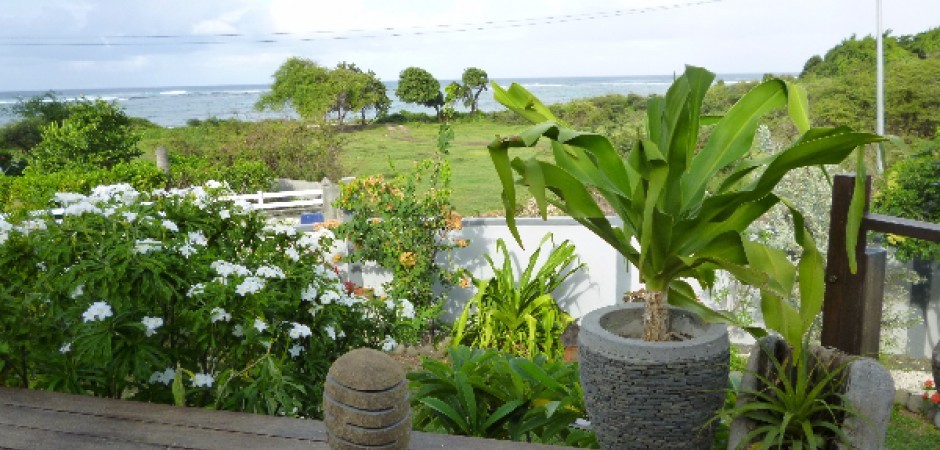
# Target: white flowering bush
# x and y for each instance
(176, 297)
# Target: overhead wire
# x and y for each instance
(323, 35)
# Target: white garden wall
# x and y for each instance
(604, 281)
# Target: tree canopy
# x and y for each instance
(416, 85)
(314, 91)
(475, 81)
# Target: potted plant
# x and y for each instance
(683, 211)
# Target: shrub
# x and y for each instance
(289, 149)
(403, 224)
(34, 190)
(487, 394)
(131, 293)
(519, 317)
(95, 134)
(911, 189)
(34, 113)
(241, 176)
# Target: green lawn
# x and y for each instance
(474, 181)
(909, 431)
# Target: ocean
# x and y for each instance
(172, 106)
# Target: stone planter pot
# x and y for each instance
(868, 388)
(652, 395)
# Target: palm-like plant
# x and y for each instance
(684, 209)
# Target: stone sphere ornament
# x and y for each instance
(365, 403)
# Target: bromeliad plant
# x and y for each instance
(519, 316)
(684, 208)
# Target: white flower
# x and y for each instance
(152, 323)
(299, 331)
(224, 214)
(280, 228)
(145, 246)
(129, 216)
(197, 238)
(293, 254)
(349, 300)
(310, 241)
(238, 331)
(212, 184)
(331, 332)
(80, 208)
(97, 311)
(187, 250)
(41, 266)
(295, 350)
(166, 377)
(407, 309)
(163, 214)
(270, 272)
(31, 225)
(4, 236)
(109, 211)
(329, 297)
(77, 292)
(65, 348)
(389, 344)
(250, 285)
(260, 325)
(67, 198)
(225, 268)
(202, 380)
(219, 315)
(196, 289)
(313, 310)
(170, 225)
(309, 294)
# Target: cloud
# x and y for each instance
(223, 24)
(130, 64)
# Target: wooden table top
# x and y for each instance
(31, 419)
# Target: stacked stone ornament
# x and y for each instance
(365, 403)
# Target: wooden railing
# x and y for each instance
(853, 302)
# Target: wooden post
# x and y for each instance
(852, 306)
(330, 194)
(163, 161)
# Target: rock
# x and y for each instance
(365, 402)
(936, 421)
(900, 396)
(915, 403)
(869, 390)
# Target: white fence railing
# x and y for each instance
(281, 200)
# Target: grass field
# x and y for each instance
(476, 188)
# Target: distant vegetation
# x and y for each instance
(840, 85)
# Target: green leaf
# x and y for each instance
(457, 422)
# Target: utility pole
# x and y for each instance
(880, 92)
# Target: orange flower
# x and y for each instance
(461, 243)
(337, 258)
(375, 220)
(464, 282)
(408, 259)
(454, 221)
(928, 384)
(935, 398)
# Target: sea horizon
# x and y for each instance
(175, 105)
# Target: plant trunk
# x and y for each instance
(656, 317)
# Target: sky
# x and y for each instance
(74, 44)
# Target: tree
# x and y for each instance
(34, 113)
(95, 134)
(374, 97)
(475, 81)
(416, 85)
(303, 85)
(348, 83)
